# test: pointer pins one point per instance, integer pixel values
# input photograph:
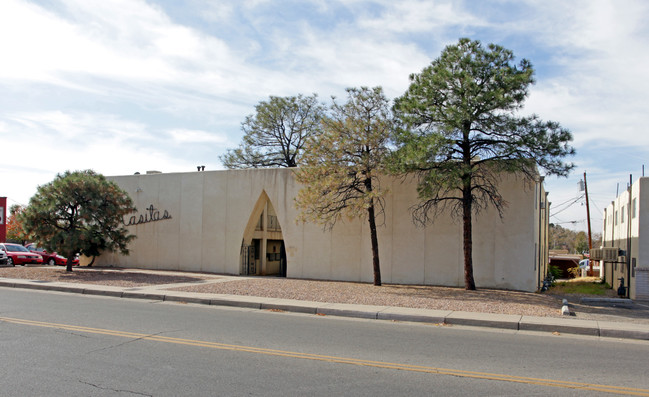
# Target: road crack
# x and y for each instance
(114, 390)
(72, 333)
(126, 343)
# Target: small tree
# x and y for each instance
(79, 212)
(463, 134)
(342, 165)
(581, 243)
(276, 134)
(15, 230)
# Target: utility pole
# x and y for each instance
(590, 237)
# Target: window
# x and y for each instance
(622, 217)
(616, 217)
(633, 208)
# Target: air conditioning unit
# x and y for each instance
(610, 254)
(596, 254)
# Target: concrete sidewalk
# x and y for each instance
(610, 329)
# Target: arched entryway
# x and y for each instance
(262, 248)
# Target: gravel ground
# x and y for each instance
(101, 276)
(428, 297)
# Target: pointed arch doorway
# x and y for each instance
(262, 248)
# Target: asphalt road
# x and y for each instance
(65, 344)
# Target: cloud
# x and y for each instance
(420, 17)
(76, 128)
(600, 50)
(196, 136)
(358, 62)
(133, 50)
(130, 44)
(80, 140)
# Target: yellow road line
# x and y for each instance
(342, 360)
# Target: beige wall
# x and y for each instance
(210, 212)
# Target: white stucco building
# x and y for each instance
(244, 222)
(625, 240)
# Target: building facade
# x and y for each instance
(245, 222)
(625, 241)
(3, 219)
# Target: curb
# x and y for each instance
(504, 321)
(606, 301)
(607, 329)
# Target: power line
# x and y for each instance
(597, 207)
(572, 222)
(17, 202)
(568, 206)
(577, 198)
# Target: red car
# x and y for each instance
(51, 258)
(19, 255)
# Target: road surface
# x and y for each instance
(66, 344)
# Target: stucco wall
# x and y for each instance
(210, 211)
(617, 233)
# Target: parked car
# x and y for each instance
(19, 255)
(51, 258)
(3, 258)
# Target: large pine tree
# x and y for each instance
(462, 132)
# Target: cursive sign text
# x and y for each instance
(151, 215)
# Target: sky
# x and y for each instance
(125, 86)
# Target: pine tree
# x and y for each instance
(342, 165)
(79, 212)
(462, 133)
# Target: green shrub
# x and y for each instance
(555, 271)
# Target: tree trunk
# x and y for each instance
(467, 203)
(469, 283)
(68, 263)
(373, 236)
(375, 245)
